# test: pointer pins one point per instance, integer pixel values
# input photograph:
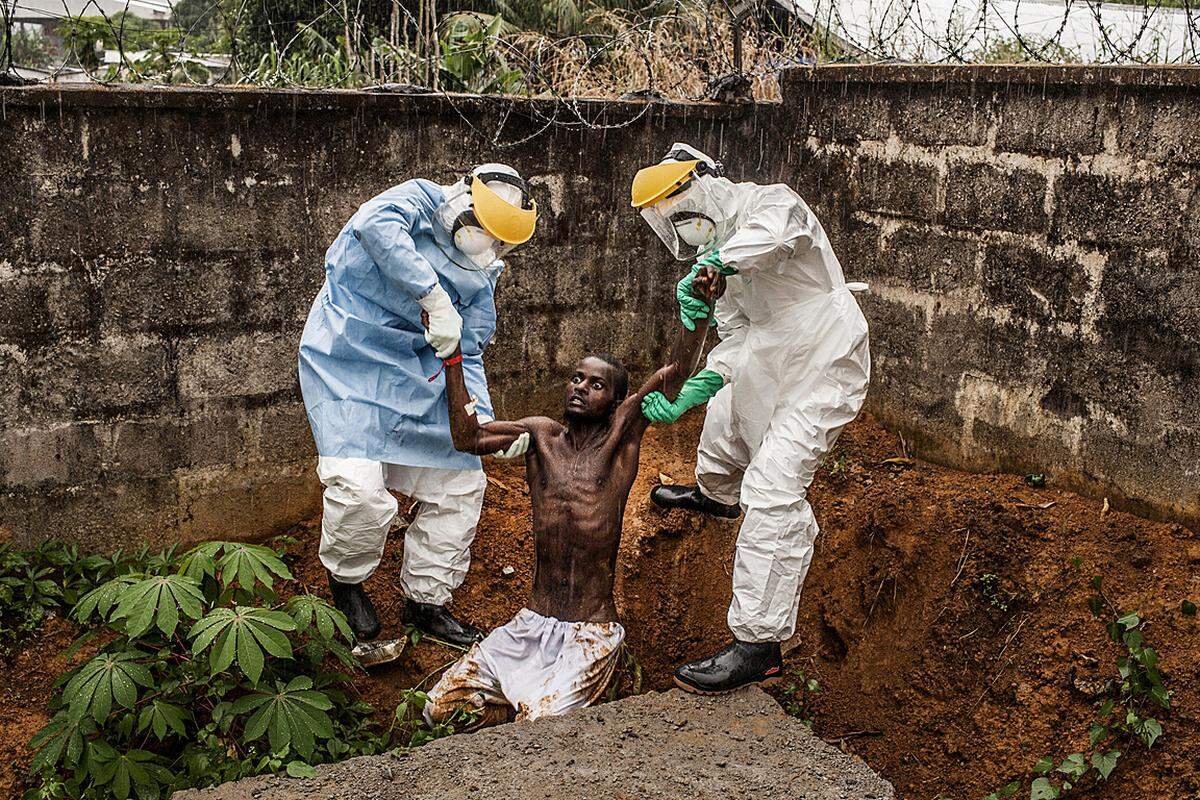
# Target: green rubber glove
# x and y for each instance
(657, 408)
(713, 259)
(691, 308)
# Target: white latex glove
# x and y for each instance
(518, 448)
(445, 325)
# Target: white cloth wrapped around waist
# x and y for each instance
(540, 666)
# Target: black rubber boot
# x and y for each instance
(691, 498)
(351, 600)
(438, 622)
(737, 665)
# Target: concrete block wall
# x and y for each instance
(160, 248)
(1030, 234)
(1032, 240)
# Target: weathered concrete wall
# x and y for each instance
(1031, 237)
(159, 250)
(1032, 240)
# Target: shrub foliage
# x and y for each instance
(205, 676)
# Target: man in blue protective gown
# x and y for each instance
(409, 279)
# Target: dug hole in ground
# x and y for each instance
(945, 618)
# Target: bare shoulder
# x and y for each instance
(541, 426)
(627, 419)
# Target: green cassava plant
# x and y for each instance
(206, 676)
(1124, 718)
(49, 579)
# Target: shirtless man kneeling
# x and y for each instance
(560, 651)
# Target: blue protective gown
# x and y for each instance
(364, 361)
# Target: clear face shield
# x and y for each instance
(690, 222)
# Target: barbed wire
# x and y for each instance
(563, 51)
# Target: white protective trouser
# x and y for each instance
(775, 543)
(359, 509)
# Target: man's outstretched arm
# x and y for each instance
(468, 434)
(684, 390)
(685, 352)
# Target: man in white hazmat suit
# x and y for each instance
(409, 279)
(790, 370)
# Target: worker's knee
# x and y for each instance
(357, 506)
(776, 497)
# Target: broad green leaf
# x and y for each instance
(1130, 620)
(1043, 766)
(1074, 765)
(200, 561)
(140, 769)
(1150, 731)
(1043, 789)
(159, 600)
(242, 633)
(250, 563)
(102, 599)
(299, 682)
(160, 716)
(1105, 763)
(61, 740)
(291, 716)
(250, 657)
(1096, 734)
(107, 677)
(298, 769)
(307, 609)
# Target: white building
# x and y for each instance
(968, 30)
(47, 13)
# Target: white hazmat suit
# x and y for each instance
(796, 362)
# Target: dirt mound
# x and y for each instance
(668, 745)
(944, 615)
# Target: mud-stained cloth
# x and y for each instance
(539, 666)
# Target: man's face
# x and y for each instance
(590, 391)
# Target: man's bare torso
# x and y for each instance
(578, 488)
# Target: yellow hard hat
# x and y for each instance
(654, 183)
(508, 223)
